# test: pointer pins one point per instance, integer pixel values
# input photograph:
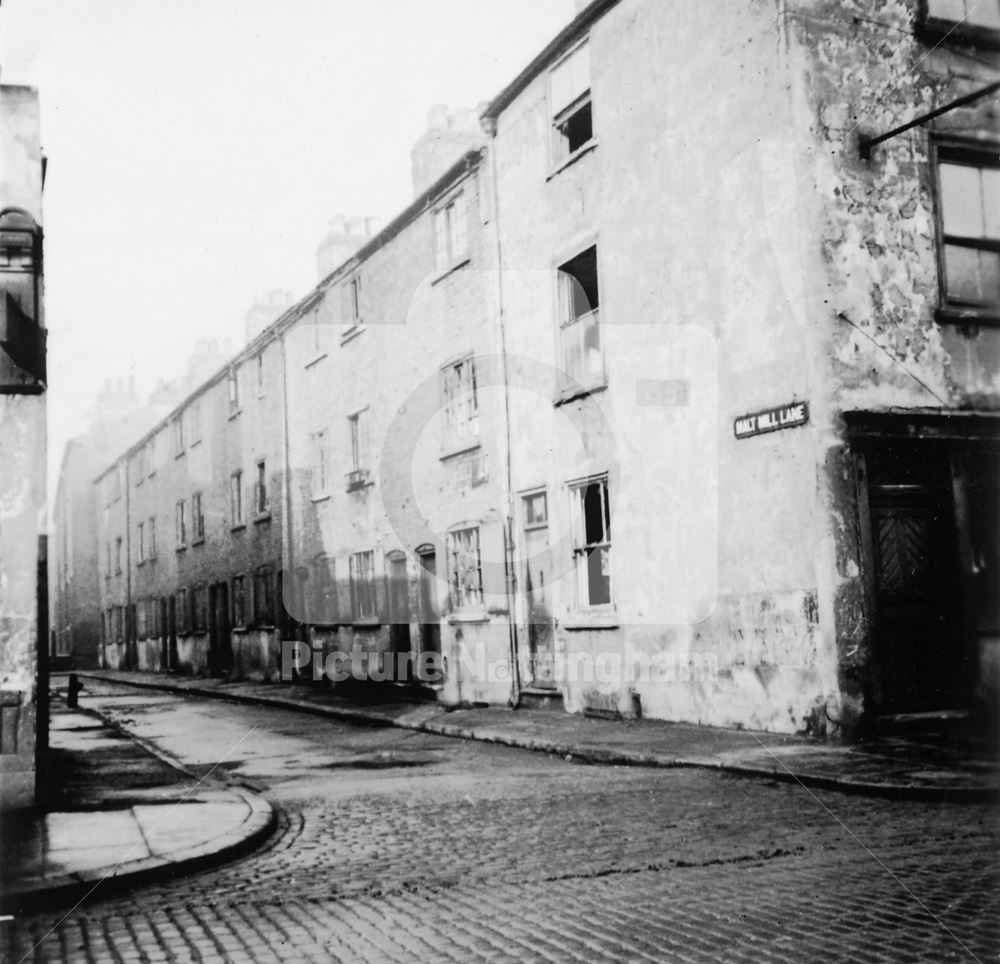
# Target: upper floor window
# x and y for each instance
(152, 537)
(260, 374)
(970, 230)
(582, 356)
(194, 423)
(973, 20)
(451, 231)
(591, 530)
(236, 498)
(351, 302)
(233, 389)
(181, 519)
(569, 102)
(260, 498)
(363, 600)
(357, 425)
(197, 517)
(465, 568)
(118, 554)
(140, 542)
(461, 403)
(179, 440)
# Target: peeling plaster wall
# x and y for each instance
(863, 68)
(718, 551)
(22, 482)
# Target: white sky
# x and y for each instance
(198, 148)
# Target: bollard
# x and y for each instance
(73, 691)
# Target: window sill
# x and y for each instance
(368, 622)
(310, 363)
(197, 441)
(460, 449)
(262, 517)
(581, 151)
(578, 621)
(322, 497)
(235, 414)
(182, 548)
(967, 317)
(352, 333)
(198, 542)
(141, 563)
(473, 616)
(577, 391)
(359, 484)
(180, 455)
(443, 273)
(239, 527)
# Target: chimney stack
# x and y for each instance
(344, 237)
(449, 134)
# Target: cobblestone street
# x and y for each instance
(399, 846)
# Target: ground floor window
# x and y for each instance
(263, 597)
(466, 572)
(591, 527)
(363, 601)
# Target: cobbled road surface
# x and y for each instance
(400, 846)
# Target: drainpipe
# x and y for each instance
(131, 644)
(287, 483)
(510, 577)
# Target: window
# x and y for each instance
(140, 542)
(179, 444)
(451, 232)
(233, 384)
(569, 100)
(107, 561)
(194, 420)
(975, 14)
(152, 456)
(536, 510)
(199, 599)
(239, 601)
(260, 374)
(263, 597)
(260, 489)
(197, 517)
(139, 466)
(591, 527)
(181, 524)
(321, 464)
(461, 402)
(183, 612)
(363, 603)
(152, 537)
(357, 425)
(324, 591)
(236, 499)
(579, 321)
(142, 619)
(118, 554)
(351, 298)
(466, 571)
(970, 229)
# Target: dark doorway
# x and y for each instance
(399, 619)
(220, 649)
(172, 659)
(923, 653)
(540, 630)
(430, 618)
(164, 627)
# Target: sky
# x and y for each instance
(198, 148)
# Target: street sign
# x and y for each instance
(771, 420)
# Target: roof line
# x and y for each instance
(285, 320)
(564, 38)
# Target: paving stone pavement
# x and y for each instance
(401, 846)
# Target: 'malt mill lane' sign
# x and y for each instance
(771, 420)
